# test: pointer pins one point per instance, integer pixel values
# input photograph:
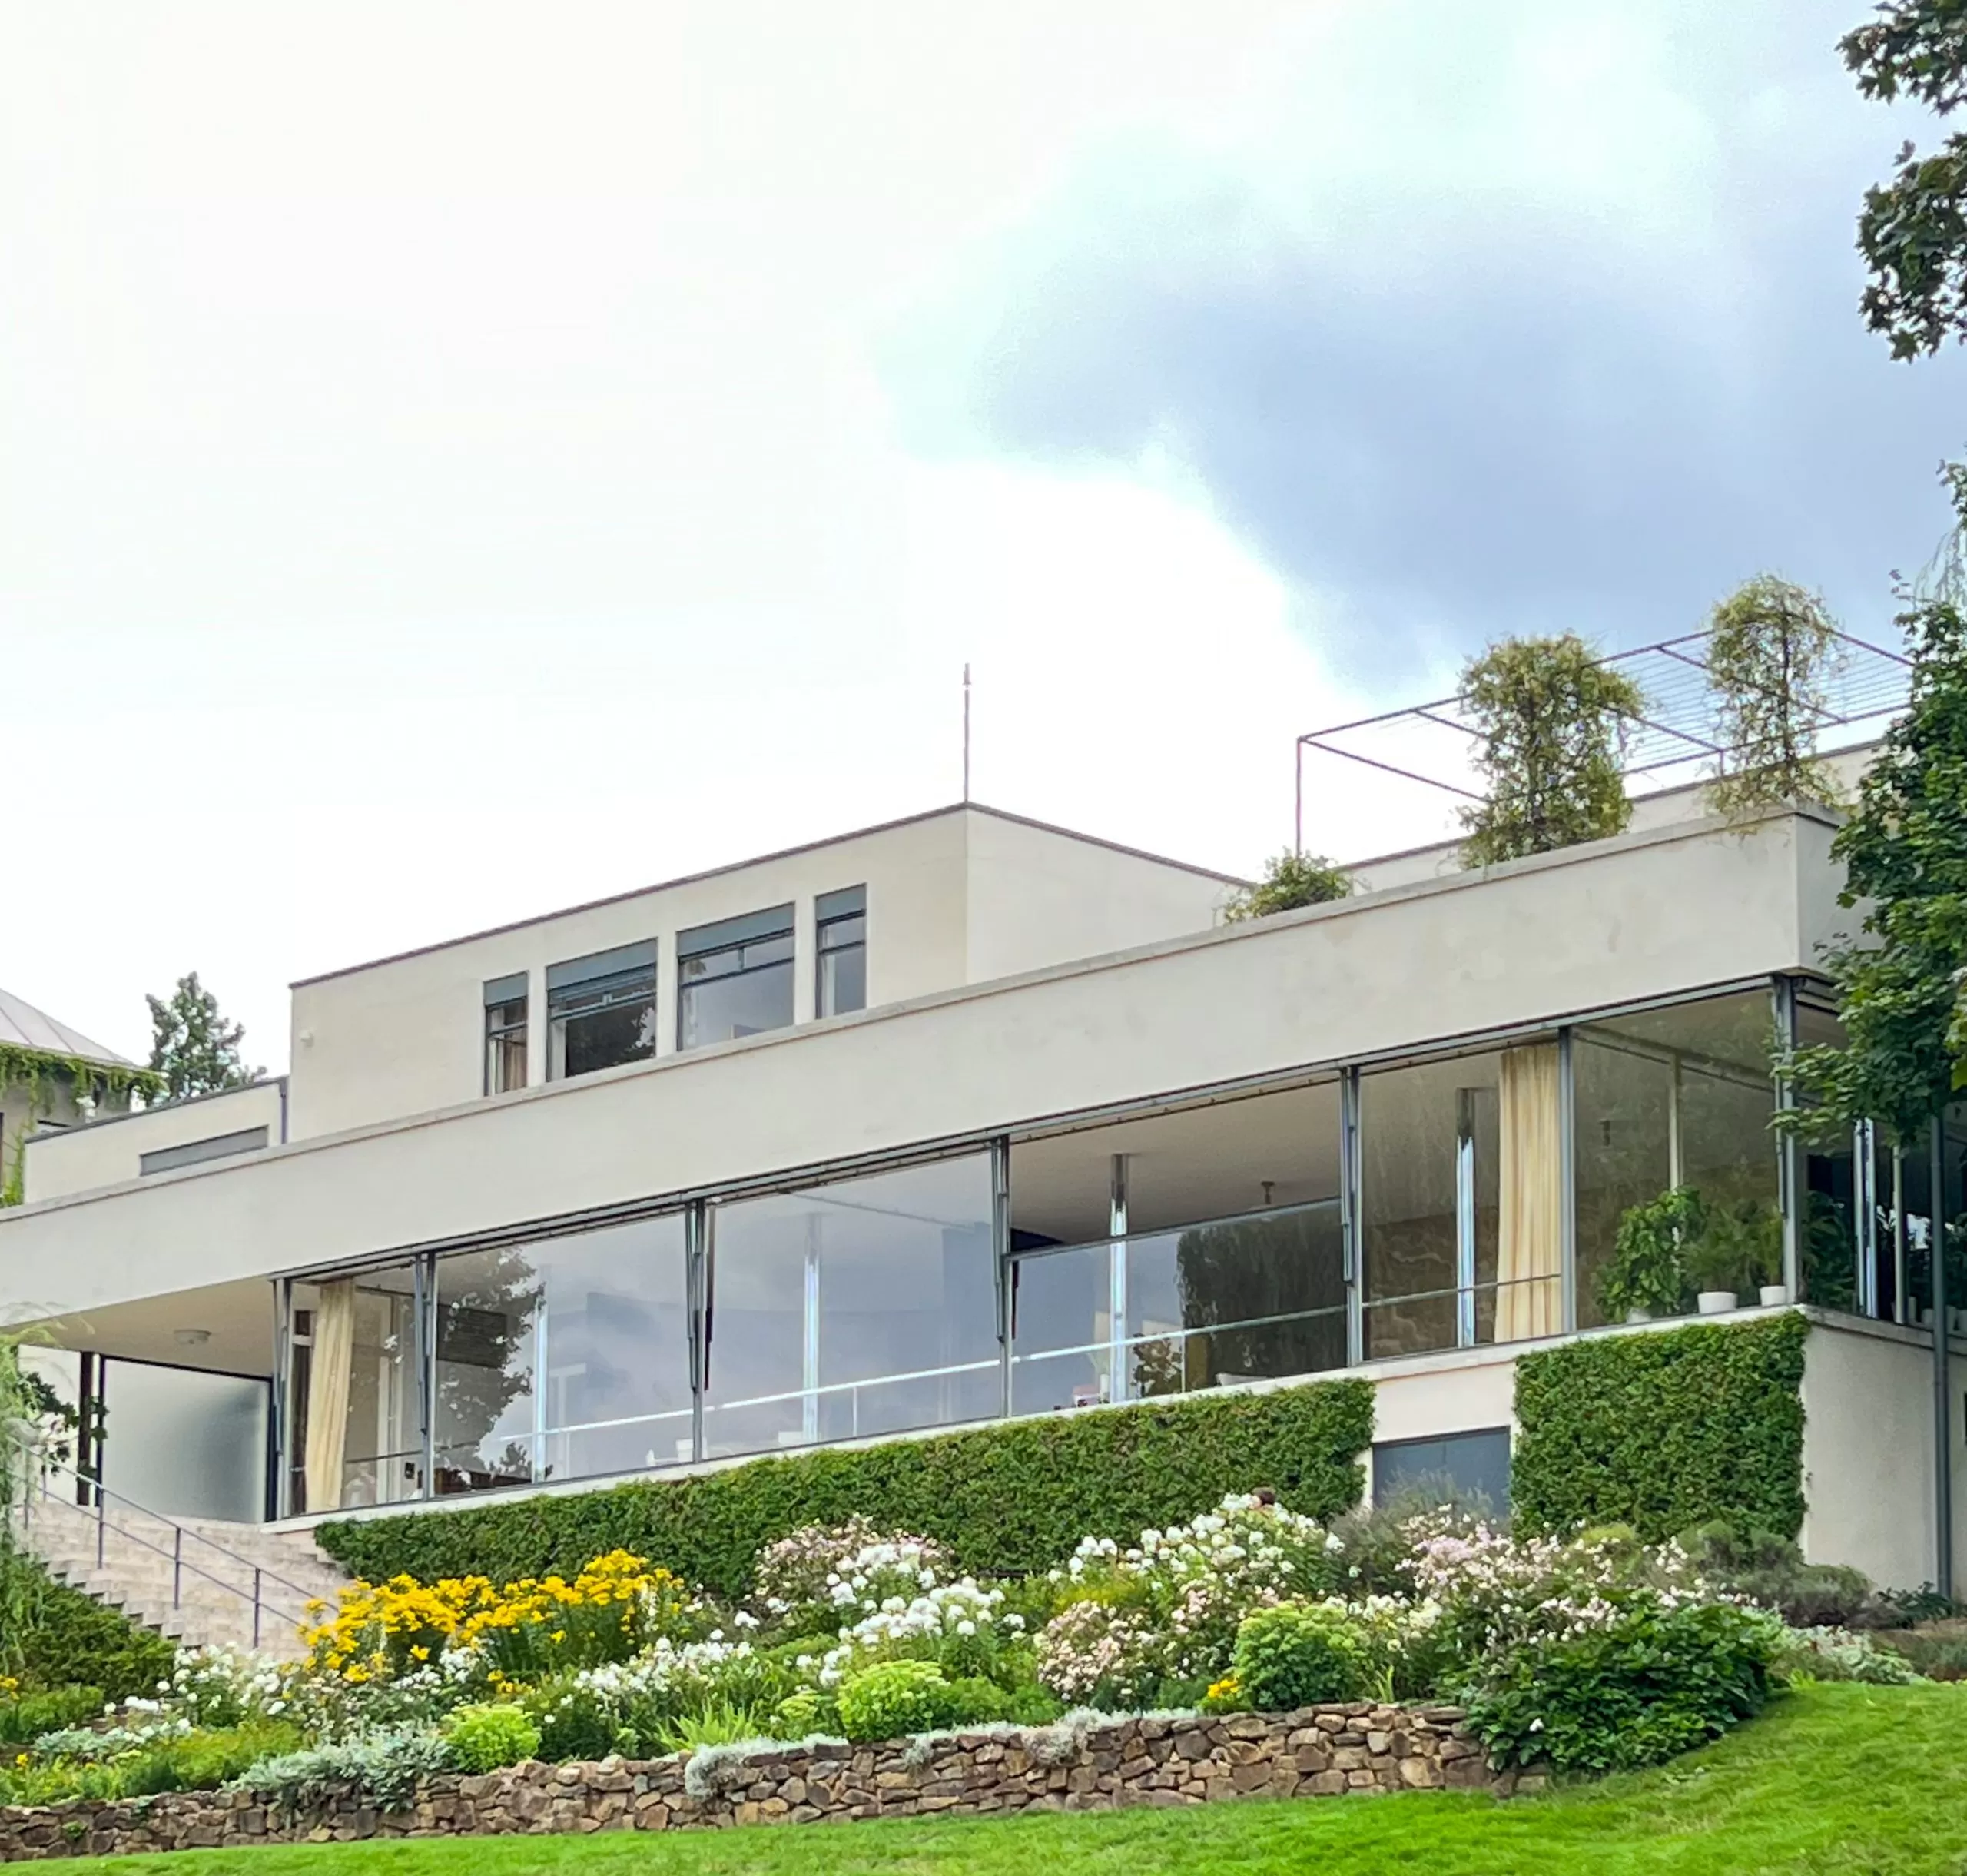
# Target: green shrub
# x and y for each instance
(1652, 1682)
(1938, 1657)
(802, 1714)
(1821, 1654)
(70, 1640)
(384, 1767)
(895, 1698)
(204, 1760)
(26, 1717)
(1771, 1571)
(1664, 1431)
(1297, 1655)
(484, 1739)
(575, 1723)
(1006, 1499)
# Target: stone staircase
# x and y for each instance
(201, 1580)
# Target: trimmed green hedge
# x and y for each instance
(1006, 1499)
(72, 1640)
(1663, 1430)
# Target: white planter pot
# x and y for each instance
(1774, 1295)
(1639, 1316)
(1715, 1302)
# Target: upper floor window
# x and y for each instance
(842, 920)
(735, 979)
(600, 1011)
(505, 1033)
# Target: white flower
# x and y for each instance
(966, 1628)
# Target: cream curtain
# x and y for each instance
(331, 1371)
(1530, 1227)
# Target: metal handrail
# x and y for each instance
(100, 1494)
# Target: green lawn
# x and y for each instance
(1844, 1779)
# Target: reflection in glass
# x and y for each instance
(354, 1430)
(1681, 1097)
(483, 1410)
(865, 1306)
(1062, 1329)
(743, 989)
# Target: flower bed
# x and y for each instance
(1103, 1765)
(1585, 1653)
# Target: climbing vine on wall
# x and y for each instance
(42, 1074)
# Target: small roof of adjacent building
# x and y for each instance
(22, 1026)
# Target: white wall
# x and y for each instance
(405, 1036)
(109, 1151)
(1645, 916)
(1868, 1452)
(1037, 897)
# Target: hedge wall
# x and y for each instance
(1007, 1499)
(71, 1640)
(1665, 1430)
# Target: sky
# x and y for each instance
(460, 459)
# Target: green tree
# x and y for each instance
(1912, 232)
(193, 1047)
(1771, 647)
(1905, 854)
(1552, 718)
(1289, 881)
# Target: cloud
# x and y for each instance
(1532, 321)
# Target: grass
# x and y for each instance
(1844, 1779)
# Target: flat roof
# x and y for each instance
(765, 859)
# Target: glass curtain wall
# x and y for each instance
(866, 1307)
(1462, 1201)
(1679, 1099)
(1221, 1259)
(354, 1409)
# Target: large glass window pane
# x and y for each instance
(613, 1353)
(1681, 1097)
(1062, 1323)
(865, 1306)
(354, 1433)
(1250, 1299)
(485, 1411)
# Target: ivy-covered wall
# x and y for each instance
(1005, 1498)
(1665, 1430)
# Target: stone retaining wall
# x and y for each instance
(1320, 1751)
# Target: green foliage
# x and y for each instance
(1913, 230)
(194, 1049)
(1770, 644)
(894, 1698)
(1664, 1431)
(483, 1738)
(384, 1767)
(1829, 1654)
(1552, 722)
(1770, 1570)
(42, 1075)
(1740, 1248)
(1298, 1654)
(65, 1638)
(1652, 1682)
(1901, 984)
(1290, 880)
(24, 1717)
(205, 1760)
(1648, 1268)
(804, 1714)
(1005, 1500)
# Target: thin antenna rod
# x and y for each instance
(966, 735)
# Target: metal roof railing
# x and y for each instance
(1674, 738)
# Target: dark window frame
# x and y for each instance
(839, 926)
(748, 946)
(624, 978)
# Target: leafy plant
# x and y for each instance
(1651, 1680)
(204, 1760)
(1648, 1268)
(895, 1698)
(1551, 718)
(811, 1711)
(1290, 880)
(1298, 1654)
(1770, 645)
(719, 1723)
(1663, 1432)
(484, 1738)
(384, 1767)
(1770, 1570)
(26, 1717)
(1738, 1248)
(1831, 1654)
(1009, 1499)
(194, 1049)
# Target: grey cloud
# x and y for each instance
(1478, 418)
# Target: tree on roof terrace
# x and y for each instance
(1551, 720)
(1771, 645)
